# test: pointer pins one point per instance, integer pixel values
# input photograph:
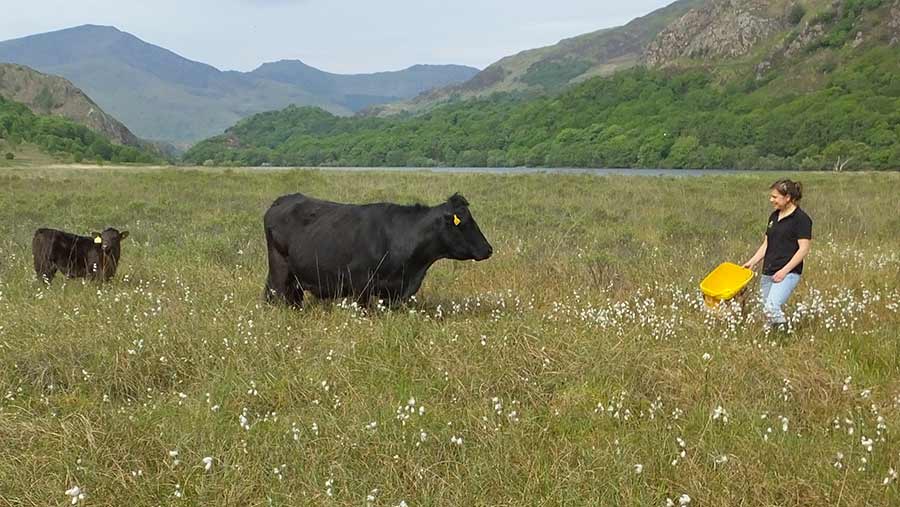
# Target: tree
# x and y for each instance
(44, 99)
(684, 153)
(796, 14)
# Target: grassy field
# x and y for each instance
(577, 366)
(25, 155)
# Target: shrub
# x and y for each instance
(10, 155)
(796, 14)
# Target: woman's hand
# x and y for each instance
(759, 255)
(779, 275)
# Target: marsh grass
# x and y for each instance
(542, 376)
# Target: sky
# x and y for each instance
(342, 36)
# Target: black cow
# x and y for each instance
(95, 257)
(378, 250)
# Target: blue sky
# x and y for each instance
(344, 36)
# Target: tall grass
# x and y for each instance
(577, 366)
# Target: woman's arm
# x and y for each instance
(758, 256)
(803, 249)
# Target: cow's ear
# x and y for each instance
(123, 235)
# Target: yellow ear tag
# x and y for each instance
(98, 240)
(456, 220)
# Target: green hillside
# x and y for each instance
(552, 68)
(62, 138)
(836, 106)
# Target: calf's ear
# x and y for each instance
(123, 235)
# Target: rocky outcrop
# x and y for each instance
(719, 29)
(52, 95)
(894, 23)
(808, 34)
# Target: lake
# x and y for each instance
(531, 170)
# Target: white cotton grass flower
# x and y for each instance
(720, 413)
(207, 463)
(867, 443)
(684, 499)
(891, 477)
(638, 468)
(838, 461)
(707, 356)
(76, 494)
(456, 440)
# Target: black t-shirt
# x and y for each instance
(781, 240)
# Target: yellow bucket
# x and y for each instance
(725, 282)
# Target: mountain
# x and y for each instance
(161, 95)
(751, 84)
(358, 91)
(773, 33)
(720, 29)
(552, 68)
(53, 95)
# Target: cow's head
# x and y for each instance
(460, 233)
(110, 241)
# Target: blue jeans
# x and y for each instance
(775, 295)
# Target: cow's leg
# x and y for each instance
(278, 279)
(294, 292)
(281, 285)
(44, 267)
(45, 271)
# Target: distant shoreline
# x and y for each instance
(440, 170)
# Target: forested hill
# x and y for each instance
(825, 94)
(62, 138)
(53, 95)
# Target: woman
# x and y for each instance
(783, 249)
